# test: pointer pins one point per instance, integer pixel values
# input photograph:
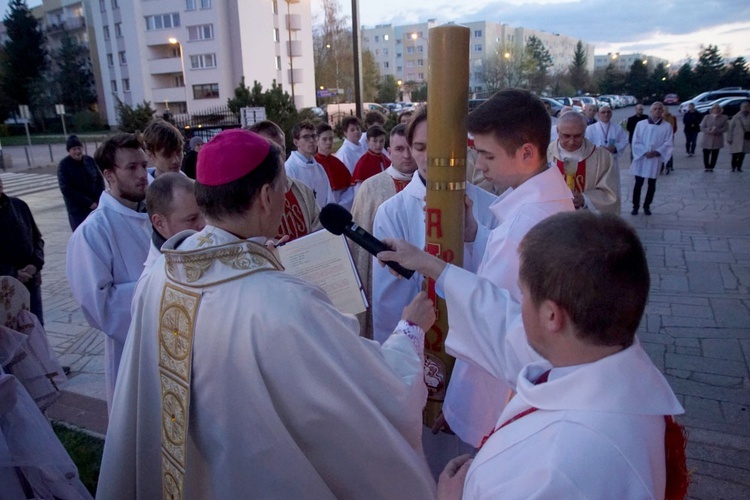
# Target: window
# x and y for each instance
(126, 85)
(385, 37)
(275, 6)
(377, 38)
(118, 30)
(398, 41)
(421, 76)
(409, 64)
(114, 85)
(477, 33)
(123, 59)
(110, 60)
(420, 62)
(203, 61)
(478, 47)
(205, 4)
(420, 49)
(114, 4)
(377, 52)
(162, 21)
(399, 69)
(206, 91)
(106, 32)
(276, 36)
(189, 4)
(385, 52)
(278, 63)
(409, 50)
(201, 32)
(102, 6)
(386, 65)
(179, 81)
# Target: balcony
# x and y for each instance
(295, 75)
(69, 24)
(169, 94)
(165, 66)
(294, 48)
(294, 21)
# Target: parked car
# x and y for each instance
(730, 106)
(554, 104)
(336, 112)
(707, 97)
(671, 99)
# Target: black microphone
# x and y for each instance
(338, 220)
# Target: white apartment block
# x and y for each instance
(188, 56)
(623, 62)
(401, 51)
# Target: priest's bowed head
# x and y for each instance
(241, 183)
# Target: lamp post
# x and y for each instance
(175, 41)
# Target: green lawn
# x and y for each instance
(86, 452)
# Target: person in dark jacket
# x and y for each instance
(692, 122)
(191, 157)
(632, 122)
(22, 253)
(81, 182)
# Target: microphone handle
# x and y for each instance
(374, 246)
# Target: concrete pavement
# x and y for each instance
(696, 327)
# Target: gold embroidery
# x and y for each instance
(205, 240)
(177, 322)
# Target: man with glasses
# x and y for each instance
(106, 252)
(301, 164)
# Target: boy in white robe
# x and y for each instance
(351, 149)
(301, 164)
(106, 252)
(653, 145)
(592, 415)
(239, 380)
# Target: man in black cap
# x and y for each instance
(81, 182)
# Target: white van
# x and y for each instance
(336, 112)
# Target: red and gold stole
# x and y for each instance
(576, 180)
(293, 221)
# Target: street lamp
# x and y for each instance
(175, 41)
(506, 55)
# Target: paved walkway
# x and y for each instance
(696, 328)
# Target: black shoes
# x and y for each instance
(634, 211)
(646, 210)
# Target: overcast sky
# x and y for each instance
(672, 29)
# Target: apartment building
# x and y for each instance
(401, 51)
(623, 62)
(188, 56)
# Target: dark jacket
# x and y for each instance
(22, 242)
(692, 121)
(189, 163)
(632, 122)
(81, 184)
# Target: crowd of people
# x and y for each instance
(225, 375)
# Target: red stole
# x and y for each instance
(338, 175)
(400, 185)
(577, 182)
(370, 164)
(293, 221)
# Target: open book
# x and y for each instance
(322, 258)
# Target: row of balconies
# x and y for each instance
(69, 24)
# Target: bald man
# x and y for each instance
(588, 169)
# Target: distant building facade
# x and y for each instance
(188, 56)
(623, 62)
(401, 51)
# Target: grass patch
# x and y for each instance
(85, 451)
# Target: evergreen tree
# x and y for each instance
(280, 108)
(610, 80)
(736, 74)
(539, 62)
(683, 82)
(25, 57)
(659, 83)
(579, 75)
(637, 81)
(387, 90)
(72, 75)
(132, 119)
(370, 76)
(709, 69)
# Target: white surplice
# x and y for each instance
(606, 134)
(599, 427)
(287, 400)
(350, 153)
(311, 174)
(651, 137)
(104, 260)
(471, 404)
(402, 216)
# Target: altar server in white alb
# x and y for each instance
(592, 415)
(652, 145)
(106, 252)
(284, 398)
(511, 136)
(301, 164)
(608, 135)
(588, 169)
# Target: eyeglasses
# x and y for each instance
(308, 137)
